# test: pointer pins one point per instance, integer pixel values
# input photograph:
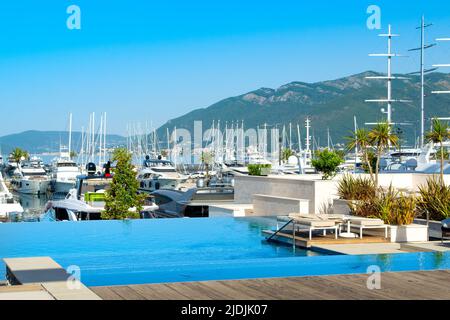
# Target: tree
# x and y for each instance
(381, 137)
(286, 154)
(207, 160)
(73, 154)
(361, 140)
(122, 199)
(438, 134)
(327, 163)
(18, 155)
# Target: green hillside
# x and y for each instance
(330, 104)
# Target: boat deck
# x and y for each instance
(433, 285)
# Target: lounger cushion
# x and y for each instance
(367, 222)
(314, 223)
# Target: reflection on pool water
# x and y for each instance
(173, 250)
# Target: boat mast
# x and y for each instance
(441, 66)
(70, 135)
(422, 73)
(389, 76)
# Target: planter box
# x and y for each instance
(265, 172)
(411, 233)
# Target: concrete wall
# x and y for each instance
(409, 181)
(319, 193)
(278, 206)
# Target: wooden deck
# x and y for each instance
(433, 285)
(302, 239)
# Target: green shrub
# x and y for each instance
(327, 163)
(356, 188)
(258, 169)
(434, 199)
(391, 206)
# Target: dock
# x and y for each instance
(43, 277)
(434, 285)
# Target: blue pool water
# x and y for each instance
(156, 251)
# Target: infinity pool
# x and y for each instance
(174, 250)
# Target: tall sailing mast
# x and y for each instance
(441, 66)
(422, 73)
(389, 100)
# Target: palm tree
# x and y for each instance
(361, 140)
(286, 154)
(381, 137)
(17, 154)
(438, 134)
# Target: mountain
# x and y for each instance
(330, 104)
(48, 141)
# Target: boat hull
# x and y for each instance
(34, 187)
(150, 185)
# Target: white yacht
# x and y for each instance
(159, 174)
(8, 206)
(31, 178)
(64, 173)
(87, 202)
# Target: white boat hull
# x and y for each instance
(63, 187)
(34, 187)
(150, 185)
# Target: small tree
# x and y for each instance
(361, 140)
(73, 154)
(327, 163)
(438, 134)
(123, 193)
(381, 137)
(18, 154)
(286, 154)
(207, 160)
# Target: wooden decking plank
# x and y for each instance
(227, 292)
(128, 293)
(107, 293)
(405, 285)
(153, 292)
(192, 293)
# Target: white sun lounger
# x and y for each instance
(311, 223)
(366, 223)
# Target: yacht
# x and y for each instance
(159, 174)
(31, 178)
(64, 173)
(86, 202)
(8, 206)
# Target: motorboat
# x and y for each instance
(31, 178)
(64, 173)
(159, 174)
(87, 202)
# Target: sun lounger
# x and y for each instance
(366, 223)
(311, 222)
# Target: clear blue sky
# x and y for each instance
(155, 60)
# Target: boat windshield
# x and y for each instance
(164, 170)
(67, 165)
